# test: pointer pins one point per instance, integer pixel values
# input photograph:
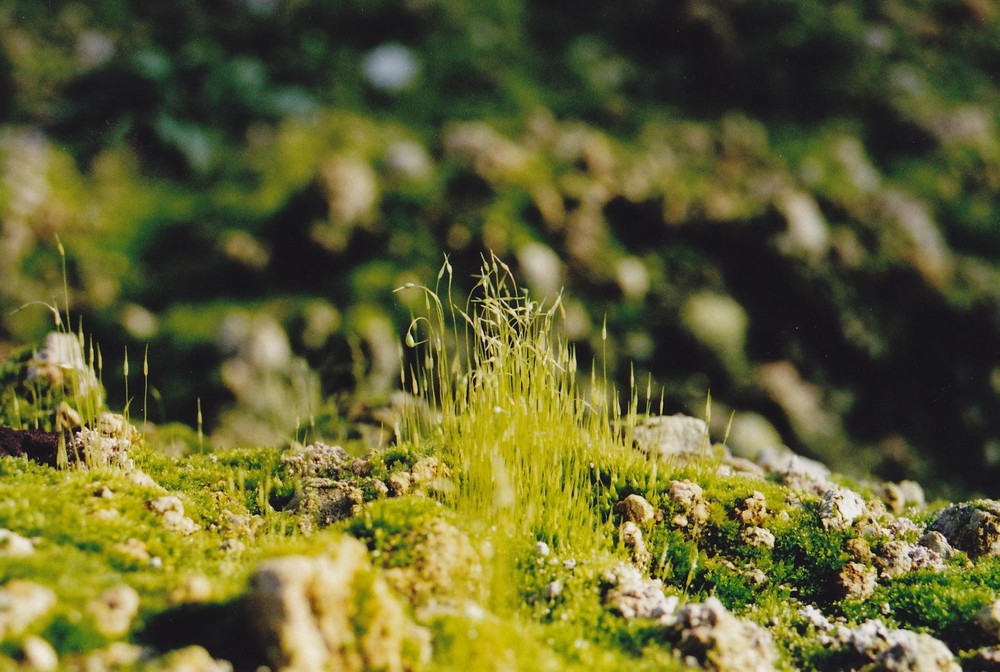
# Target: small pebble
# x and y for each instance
(13, 544)
(39, 654)
(553, 590)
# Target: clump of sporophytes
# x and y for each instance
(59, 388)
(54, 411)
(88, 435)
(523, 439)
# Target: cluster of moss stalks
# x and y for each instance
(533, 466)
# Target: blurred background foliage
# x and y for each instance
(789, 202)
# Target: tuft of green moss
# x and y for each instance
(524, 439)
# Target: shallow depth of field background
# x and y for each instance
(791, 203)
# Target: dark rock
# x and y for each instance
(35, 445)
(327, 500)
(973, 527)
(985, 660)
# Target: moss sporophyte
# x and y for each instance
(526, 444)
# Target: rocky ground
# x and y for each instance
(145, 550)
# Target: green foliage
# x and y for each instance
(943, 603)
(515, 426)
(51, 390)
(386, 527)
(807, 557)
(496, 645)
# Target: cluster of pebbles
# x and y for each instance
(882, 544)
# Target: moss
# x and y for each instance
(807, 557)
(526, 443)
(493, 644)
(84, 522)
(505, 562)
(385, 527)
(33, 394)
(728, 583)
(942, 603)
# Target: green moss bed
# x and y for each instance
(519, 524)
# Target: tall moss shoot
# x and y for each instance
(521, 436)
